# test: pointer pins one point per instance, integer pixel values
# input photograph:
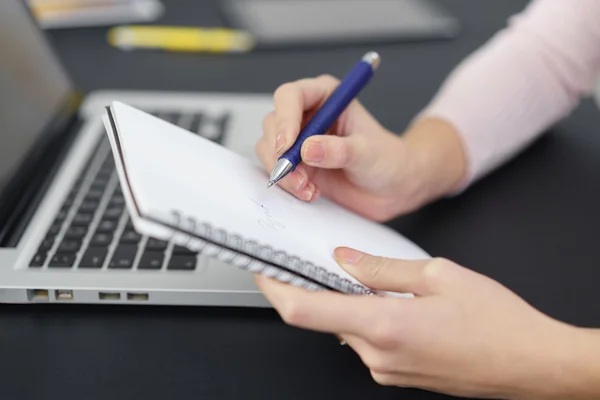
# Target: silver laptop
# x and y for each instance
(65, 235)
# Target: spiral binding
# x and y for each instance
(257, 258)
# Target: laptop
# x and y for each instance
(65, 235)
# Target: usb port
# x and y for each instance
(38, 294)
(63, 294)
(137, 296)
(109, 296)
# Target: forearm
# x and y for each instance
(521, 82)
(568, 367)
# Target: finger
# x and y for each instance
(392, 275)
(328, 151)
(357, 343)
(296, 183)
(268, 127)
(292, 100)
(390, 379)
(324, 311)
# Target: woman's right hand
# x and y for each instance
(358, 163)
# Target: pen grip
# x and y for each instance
(333, 107)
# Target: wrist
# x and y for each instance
(567, 366)
(436, 151)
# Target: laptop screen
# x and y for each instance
(33, 86)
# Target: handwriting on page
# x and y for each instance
(268, 221)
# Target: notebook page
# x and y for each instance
(171, 169)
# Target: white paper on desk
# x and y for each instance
(170, 169)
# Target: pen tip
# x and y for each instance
(269, 184)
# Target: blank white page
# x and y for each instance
(171, 169)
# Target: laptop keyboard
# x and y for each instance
(93, 230)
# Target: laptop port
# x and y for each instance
(109, 296)
(38, 294)
(137, 296)
(63, 294)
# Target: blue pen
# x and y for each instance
(329, 112)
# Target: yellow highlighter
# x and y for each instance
(181, 39)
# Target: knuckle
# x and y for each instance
(376, 265)
(343, 154)
(434, 269)
(268, 120)
(382, 209)
(385, 209)
(289, 188)
(385, 333)
(329, 79)
(292, 313)
(283, 89)
(377, 361)
(384, 379)
(259, 147)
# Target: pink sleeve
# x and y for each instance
(526, 78)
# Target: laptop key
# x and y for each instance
(151, 260)
(62, 215)
(105, 170)
(117, 200)
(69, 246)
(38, 260)
(54, 229)
(123, 256)
(94, 194)
(101, 239)
(62, 260)
(76, 232)
(46, 244)
(182, 262)
(82, 219)
(183, 250)
(107, 226)
(88, 206)
(112, 213)
(93, 257)
(130, 237)
(99, 184)
(195, 124)
(129, 225)
(156, 244)
(68, 202)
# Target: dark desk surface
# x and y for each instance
(533, 226)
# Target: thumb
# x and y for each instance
(337, 152)
(389, 274)
(329, 151)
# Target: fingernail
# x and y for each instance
(348, 256)
(308, 192)
(301, 177)
(279, 143)
(299, 181)
(316, 195)
(313, 152)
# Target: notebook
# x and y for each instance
(179, 186)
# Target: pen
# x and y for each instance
(329, 112)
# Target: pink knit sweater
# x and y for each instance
(526, 78)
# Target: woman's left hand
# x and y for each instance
(463, 334)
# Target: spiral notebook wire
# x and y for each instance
(254, 257)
